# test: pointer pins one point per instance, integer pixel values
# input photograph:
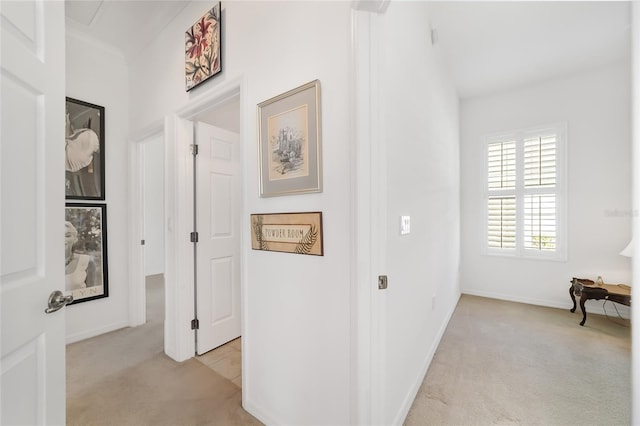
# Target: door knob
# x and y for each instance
(57, 300)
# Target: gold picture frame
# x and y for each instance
(289, 139)
(299, 233)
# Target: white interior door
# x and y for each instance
(32, 214)
(218, 199)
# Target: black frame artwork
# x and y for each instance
(86, 266)
(84, 151)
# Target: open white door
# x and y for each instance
(219, 194)
(32, 215)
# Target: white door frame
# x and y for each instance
(179, 341)
(179, 201)
(369, 217)
(176, 343)
(179, 299)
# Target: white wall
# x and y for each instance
(98, 75)
(154, 205)
(296, 349)
(419, 117)
(596, 106)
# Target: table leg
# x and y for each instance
(573, 298)
(583, 298)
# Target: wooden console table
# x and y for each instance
(587, 289)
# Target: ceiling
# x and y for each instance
(488, 46)
(126, 25)
(494, 46)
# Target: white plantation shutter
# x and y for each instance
(540, 222)
(540, 162)
(502, 165)
(501, 222)
(524, 183)
(501, 209)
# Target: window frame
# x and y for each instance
(519, 192)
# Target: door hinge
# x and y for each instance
(141, 242)
(195, 324)
(194, 237)
(382, 282)
(194, 149)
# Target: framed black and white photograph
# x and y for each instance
(84, 151)
(85, 247)
(289, 137)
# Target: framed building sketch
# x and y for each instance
(299, 233)
(85, 247)
(289, 137)
(84, 151)
(203, 48)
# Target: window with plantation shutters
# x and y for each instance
(525, 192)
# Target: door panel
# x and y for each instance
(32, 214)
(222, 289)
(218, 222)
(221, 205)
(22, 366)
(21, 144)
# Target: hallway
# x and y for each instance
(497, 362)
(124, 378)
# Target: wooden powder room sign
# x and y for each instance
(299, 233)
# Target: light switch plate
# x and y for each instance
(405, 225)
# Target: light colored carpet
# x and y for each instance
(510, 363)
(124, 378)
(498, 363)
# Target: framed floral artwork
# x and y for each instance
(203, 54)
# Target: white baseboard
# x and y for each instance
(527, 300)
(257, 412)
(592, 306)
